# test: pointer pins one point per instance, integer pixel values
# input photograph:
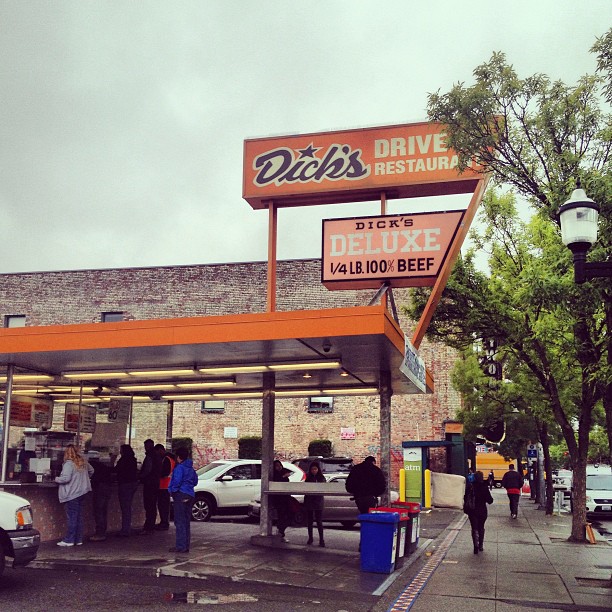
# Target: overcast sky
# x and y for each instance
(122, 123)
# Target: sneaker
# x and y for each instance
(79, 544)
(62, 543)
(322, 544)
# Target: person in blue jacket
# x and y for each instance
(182, 482)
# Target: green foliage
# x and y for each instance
(321, 448)
(249, 447)
(534, 137)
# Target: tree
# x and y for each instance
(536, 137)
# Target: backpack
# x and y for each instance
(469, 499)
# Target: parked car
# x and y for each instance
(329, 465)
(599, 493)
(18, 539)
(337, 509)
(229, 485)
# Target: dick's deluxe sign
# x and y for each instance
(404, 250)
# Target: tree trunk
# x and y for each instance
(579, 501)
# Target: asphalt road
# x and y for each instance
(33, 590)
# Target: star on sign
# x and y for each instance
(309, 151)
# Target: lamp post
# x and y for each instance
(578, 219)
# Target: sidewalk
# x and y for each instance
(527, 564)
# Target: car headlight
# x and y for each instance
(23, 517)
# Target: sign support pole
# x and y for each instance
(10, 370)
(272, 230)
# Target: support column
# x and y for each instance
(7, 419)
(169, 418)
(267, 451)
(385, 430)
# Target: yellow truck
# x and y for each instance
(487, 460)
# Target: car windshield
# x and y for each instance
(211, 470)
(599, 483)
(336, 466)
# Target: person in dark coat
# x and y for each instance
(314, 504)
(281, 502)
(478, 514)
(101, 487)
(491, 479)
(512, 481)
(149, 476)
(127, 483)
(366, 482)
(168, 463)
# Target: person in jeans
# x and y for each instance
(74, 484)
(182, 482)
(513, 482)
(127, 483)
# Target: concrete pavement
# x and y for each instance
(527, 563)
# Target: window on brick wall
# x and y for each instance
(14, 321)
(213, 406)
(320, 404)
(111, 317)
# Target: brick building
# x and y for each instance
(89, 296)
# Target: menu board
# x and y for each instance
(31, 412)
(88, 418)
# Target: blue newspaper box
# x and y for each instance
(378, 541)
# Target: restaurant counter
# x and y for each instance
(50, 515)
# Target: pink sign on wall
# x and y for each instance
(405, 250)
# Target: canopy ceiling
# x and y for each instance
(365, 340)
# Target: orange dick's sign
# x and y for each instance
(405, 250)
(351, 166)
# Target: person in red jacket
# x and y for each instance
(163, 497)
(513, 482)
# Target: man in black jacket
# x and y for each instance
(366, 482)
(149, 476)
(513, 482)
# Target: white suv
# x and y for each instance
(231, 484)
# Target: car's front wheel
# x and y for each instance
(203, 508)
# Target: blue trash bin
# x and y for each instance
(378, 541)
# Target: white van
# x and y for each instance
(18, 539)
(599, 491)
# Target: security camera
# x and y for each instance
(326, 346)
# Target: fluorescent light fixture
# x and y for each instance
(229, 395)
(30, 378)
(162, 373)
(206, 383)
(95, 375)
(313, 365)
(298, 393)
(152, 387)
(238, 395)
(351, 391)
(272, 367)
(234, 369)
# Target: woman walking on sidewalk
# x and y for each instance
(477, 496)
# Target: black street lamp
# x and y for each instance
(578, 218)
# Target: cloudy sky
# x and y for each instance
(122, 123)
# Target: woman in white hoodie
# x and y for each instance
(74, 484)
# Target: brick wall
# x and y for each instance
(81, 296)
